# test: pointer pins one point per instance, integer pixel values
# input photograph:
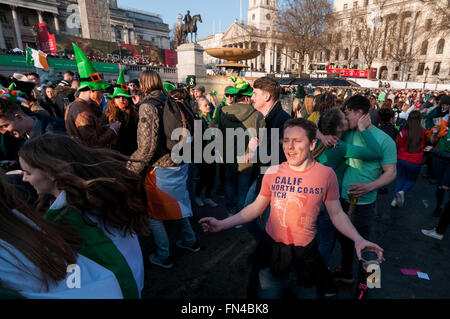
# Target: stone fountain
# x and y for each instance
(233, 56)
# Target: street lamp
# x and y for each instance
(427, 69)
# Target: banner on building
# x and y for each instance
(354, 73)
(171, 58)
(47, 41)
(111, 51)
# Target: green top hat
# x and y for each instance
(89, 77)
(120, 89)
(191, 81)
(240, 87)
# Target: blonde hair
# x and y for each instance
(150, 81)
(308, 104)
(212, 99)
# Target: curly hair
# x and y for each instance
(112, 111)
(96, 181)
(330, 121)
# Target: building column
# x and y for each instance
(267, 60)
(125, 36)
(275, 57)
(56, 22)
(17, 28)
(259, 58)
(2, 39)
(40, 18)
(283, 66)
(132, 36)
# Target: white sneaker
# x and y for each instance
(400, 198)
(432, 233)
(394, 202)
(199, 202)
(211, 203)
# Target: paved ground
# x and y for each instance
(220, 270)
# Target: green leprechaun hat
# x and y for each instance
(89, 77)
(240, 87)
(191, 81)
(169, 86)
(121, 88)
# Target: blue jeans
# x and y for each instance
(326, 234)
(256, 227)
(162, 240)
(407, 174)
(234, 179)
(270, 287)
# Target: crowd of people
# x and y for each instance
(87, 167)
(110, 58)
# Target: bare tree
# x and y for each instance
(301, 26)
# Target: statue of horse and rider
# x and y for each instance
(189, 27)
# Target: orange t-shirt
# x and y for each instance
(295, 201)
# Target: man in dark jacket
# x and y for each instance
(265, 99)
(15, 122)
(84, 117)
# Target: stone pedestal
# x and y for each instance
(190, 61)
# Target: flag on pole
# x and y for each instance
(37, 59)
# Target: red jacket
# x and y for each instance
(402, 148)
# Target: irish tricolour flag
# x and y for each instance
(37, 59)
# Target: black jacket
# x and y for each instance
(47, 124)
(274, 120)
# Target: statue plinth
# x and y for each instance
(190, 60)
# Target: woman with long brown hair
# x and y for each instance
(121, 109)
(97, 198)
(165, 181)
(306, 108)
(34, 254)
(410, 144)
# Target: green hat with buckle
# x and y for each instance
(89, 77)
(121, 88)
(240, 87)
(191, 81)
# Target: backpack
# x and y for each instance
(171, 118)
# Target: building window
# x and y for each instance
(420, 68)
(253, 17)
(346, 54)
(428, 24)
(327, 55)
(356, 53)
(340, 23)
(3, 18)
(424, 48)
(436, 68)
(268, 16)
(25, 21)
(9, 43)
(366, 3)
(355, 4)
(440, 46)
(345, 6)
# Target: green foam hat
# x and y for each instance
(191, 81)
(121, 88)
(240, 87)
(168, 86)
(89, 77)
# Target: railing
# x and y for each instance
(159, 69)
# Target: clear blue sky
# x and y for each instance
(211, 11)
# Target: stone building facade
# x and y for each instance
(99, 20)
(414, 26)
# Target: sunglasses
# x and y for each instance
(228, 95)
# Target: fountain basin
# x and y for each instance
(233, 54)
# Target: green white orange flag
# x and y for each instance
(37, 59)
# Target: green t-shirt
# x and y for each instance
(444, 143)
(359, 171)
(338, 157)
